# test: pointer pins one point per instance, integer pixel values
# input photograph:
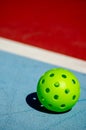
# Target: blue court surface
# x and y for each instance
(19, 106)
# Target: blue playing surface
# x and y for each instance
(19, 107)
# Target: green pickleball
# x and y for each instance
(58, 90)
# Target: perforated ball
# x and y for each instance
(58, 90)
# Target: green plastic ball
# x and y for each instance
(58, 90)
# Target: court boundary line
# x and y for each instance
(43, 55)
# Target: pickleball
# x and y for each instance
(58, 89)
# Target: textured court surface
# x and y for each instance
(18, 80)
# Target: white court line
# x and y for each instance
(42, 55)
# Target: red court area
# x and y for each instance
(49, 24)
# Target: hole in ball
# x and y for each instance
(56, 97)
(52, 74)
(43, 81)
(74, 96)
(64, 76)
(56, 84)
(63, 105)
(47, 90)
(67, 91)
(73, 81)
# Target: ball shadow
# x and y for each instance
(32, 101)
